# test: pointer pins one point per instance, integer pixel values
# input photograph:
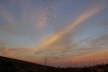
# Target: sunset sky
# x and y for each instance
(66, 32)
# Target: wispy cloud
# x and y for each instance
(10, 22)
(41, 19)
(90, 58)
(52, 38)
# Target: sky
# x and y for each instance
(65, 32)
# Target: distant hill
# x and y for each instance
(14, 65)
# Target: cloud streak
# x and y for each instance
(100, 56)
(52, 38)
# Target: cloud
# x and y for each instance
(41, 19)
(52, 38)
(7, 52)
(10, 22)
(55, 44)
(100, 56)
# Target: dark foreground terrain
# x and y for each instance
(13, 65)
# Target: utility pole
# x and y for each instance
(45, 60)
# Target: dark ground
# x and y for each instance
(13, 65)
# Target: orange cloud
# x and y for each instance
(93, 58)
(8, 52)
(100, 56)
